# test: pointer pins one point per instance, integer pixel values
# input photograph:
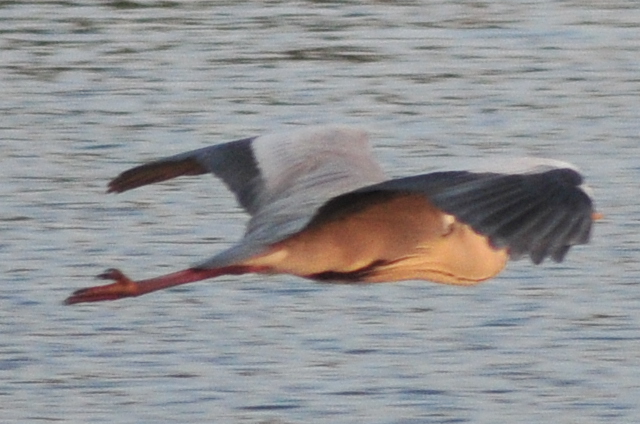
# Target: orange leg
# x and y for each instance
(125, 287)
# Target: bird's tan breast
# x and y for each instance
(405, 235)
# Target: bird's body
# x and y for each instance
(322, 208)
(401, 238)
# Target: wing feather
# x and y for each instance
(540, 214)
(276, 177)
(279, 179)
(232, 162)
(303, 170)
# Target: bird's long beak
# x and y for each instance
(597, 216)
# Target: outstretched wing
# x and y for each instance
(540, 213)
(233, 162)
(280, 179)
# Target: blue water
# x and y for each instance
(91, 88)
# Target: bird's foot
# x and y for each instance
(123, 287)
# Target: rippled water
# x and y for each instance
(90, 88)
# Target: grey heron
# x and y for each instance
(322, 208)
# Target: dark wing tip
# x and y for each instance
(233, 162)
(538, 214)
(154, 172)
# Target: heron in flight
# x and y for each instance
(322, 208)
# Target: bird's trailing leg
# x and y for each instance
(125, 287)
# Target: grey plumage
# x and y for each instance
(284, 181)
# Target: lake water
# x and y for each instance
(90, 88)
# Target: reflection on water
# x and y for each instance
(90, 88)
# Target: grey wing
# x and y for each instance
(541, 214)
(302, 170)
(293, 171)
(279, 179)
(233, 162)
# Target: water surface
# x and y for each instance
(91, 88)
